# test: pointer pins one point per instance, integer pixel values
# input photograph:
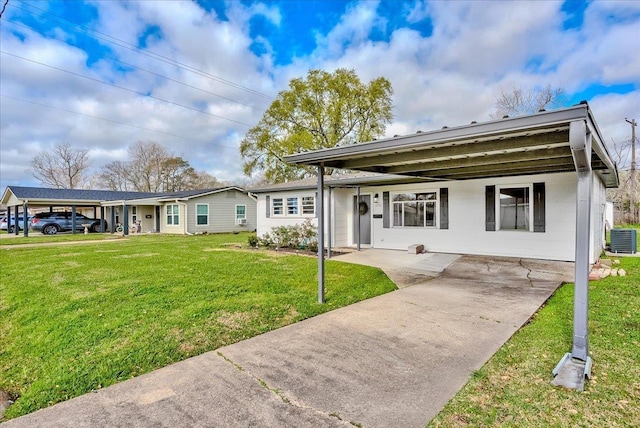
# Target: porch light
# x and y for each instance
(375, 198)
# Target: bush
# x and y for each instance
(296, 236)
(253, 241)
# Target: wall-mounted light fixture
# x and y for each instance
(375, 198)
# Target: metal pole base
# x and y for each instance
(570, 372)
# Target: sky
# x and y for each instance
(195, 76)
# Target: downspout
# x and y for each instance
(184, 229)
(576, 365)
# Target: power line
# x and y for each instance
(146, 52)
(125, 89)
(152, 72)
(110, 120)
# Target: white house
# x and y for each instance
(502, 188)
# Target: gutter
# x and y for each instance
(184, 204)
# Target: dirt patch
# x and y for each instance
(5, 401)
(234, 320)
(133, 256)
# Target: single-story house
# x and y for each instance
(504, 188)
(224, 209)
(530, 186)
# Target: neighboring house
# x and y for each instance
(226, 209)
(501, 188)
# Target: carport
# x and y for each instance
(19, 197)
(559, 141)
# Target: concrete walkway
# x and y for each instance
(393, 360)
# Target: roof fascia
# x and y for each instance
(468, 132)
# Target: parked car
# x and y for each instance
(4, 223)
(54, 222)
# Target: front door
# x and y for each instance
(362, 210)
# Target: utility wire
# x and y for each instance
(151, 72)
(146, 52)
(126, 89)
(4, 6)
(111, 120)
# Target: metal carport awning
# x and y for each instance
(566, 140)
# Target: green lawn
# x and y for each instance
(514, 388)
(76, 318)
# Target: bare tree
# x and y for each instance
(145, 166)
(204, 180)
(621, 196)
(520, 101)
(115, 176)
(152, 168)
(63, 168)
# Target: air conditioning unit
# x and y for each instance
(242, 222)
(623, 241)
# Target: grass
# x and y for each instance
(514, 387)
(77, 318)
(39, 238)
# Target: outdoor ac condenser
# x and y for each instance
(623, 241)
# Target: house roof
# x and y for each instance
(341, 180)
(534, 144)
(15, 195)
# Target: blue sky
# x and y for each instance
(194, 76)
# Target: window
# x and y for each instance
(202, 214)
(173, 214)
(519, 207)
(134, 214)
(292, 206)
(278, 206)
(241, 212)
(295, 206)
(414, 209)
(308, 205)
(514, 208)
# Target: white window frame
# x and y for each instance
(297, 205)
(198, 215)
(435, 202)
(293, 206)
(174, 215)
(244, 216)
(134, 214)
(281, 206)
(498, 210)
(312, 205)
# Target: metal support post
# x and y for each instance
(73, 219)
(329, 225)
(357, 214)
(125, 218)
(572, 369)
(25, 219)
(321, 233)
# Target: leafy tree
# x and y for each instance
(62, 168)
(323, 110)
(176, 174)
(520, 101)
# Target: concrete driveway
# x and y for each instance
(394, 360)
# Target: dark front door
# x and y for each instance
(362, 210)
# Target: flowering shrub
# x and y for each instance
(303, 236)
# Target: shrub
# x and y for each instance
(296, 236)
(253, 240)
